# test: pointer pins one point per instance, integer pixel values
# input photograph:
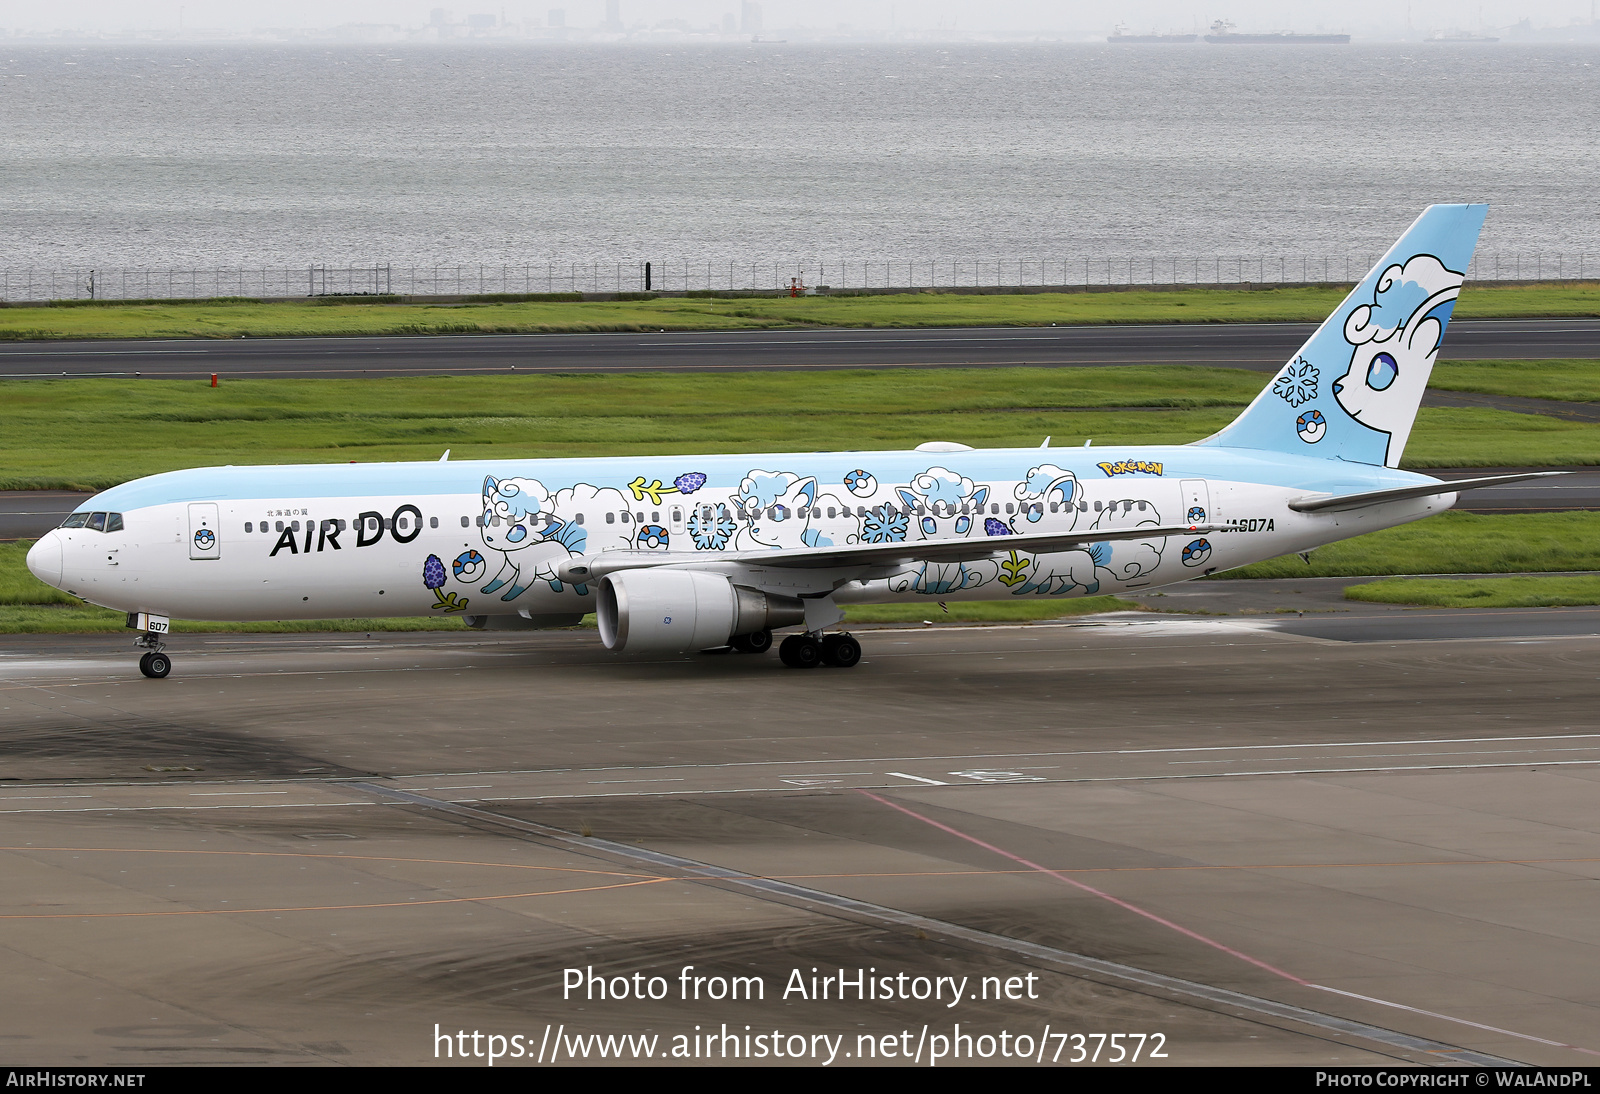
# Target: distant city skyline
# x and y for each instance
(867, 17)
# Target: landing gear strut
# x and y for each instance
(807, 651)
(154, 664)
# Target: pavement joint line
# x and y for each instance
(1036, 951)
(339, 780)
(712, 792)
(1185, 931)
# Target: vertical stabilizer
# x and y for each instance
(1352, 391)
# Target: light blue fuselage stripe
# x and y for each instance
(725, 472)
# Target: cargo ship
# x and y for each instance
(1222, 32)
(1121, 36)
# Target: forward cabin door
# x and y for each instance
(205, 530)
(1196, 502)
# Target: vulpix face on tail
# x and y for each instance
(1352, 391)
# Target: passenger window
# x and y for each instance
(1096, 507)
(403, 523)
(830, 511)
(248, 527)
(97, 522)
(433, 522)
(655, 518)
(1141, 506)
(1008, 509)
(294, 525)
(580, 518)
(611, 518)
(465, 523)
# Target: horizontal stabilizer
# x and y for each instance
(594, 567)
(1339, 503)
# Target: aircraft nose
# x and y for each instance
(44, 559)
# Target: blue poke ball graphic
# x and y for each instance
(1196, 553)
(860, 483)
(205, 539)
(1196, 514)
(1311, 426)
(468, 566)
(652, 537)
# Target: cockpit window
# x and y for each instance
(76, 520)
(97, 522)
(113, 522)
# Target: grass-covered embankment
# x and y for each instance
(234, 319)
(76, 433)
(1567, 590)
(1453, 543)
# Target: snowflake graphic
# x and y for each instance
(711, 529)
(884, 525)
(1297, 383)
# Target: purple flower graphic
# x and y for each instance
(690, 482)
(992, 527)
(433, 577)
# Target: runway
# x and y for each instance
(1263, 844)
(1260, 346)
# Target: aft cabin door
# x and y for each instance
(1196, 502)
(205, 530)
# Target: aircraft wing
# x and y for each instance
(1338, 503)
(593, 567)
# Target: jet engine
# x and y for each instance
(675, 611)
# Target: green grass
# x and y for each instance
(988, 611)
(1497, 592)
(94, 433)
(1453, 543)
(1569, 381)
(87, 619)
(233, 319)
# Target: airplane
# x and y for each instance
(679, 554)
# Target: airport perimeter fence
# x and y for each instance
(1020, 274)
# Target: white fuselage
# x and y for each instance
(487, 538)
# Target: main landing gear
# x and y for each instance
(154, 664)
(807, 651)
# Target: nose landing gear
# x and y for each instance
(155, 664)
(807, 651)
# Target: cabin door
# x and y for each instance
(1196, 502)
(205, 530)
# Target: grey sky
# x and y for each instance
(1359, 16)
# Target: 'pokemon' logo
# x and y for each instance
(1131, 467)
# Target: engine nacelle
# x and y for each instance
(659, 610)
